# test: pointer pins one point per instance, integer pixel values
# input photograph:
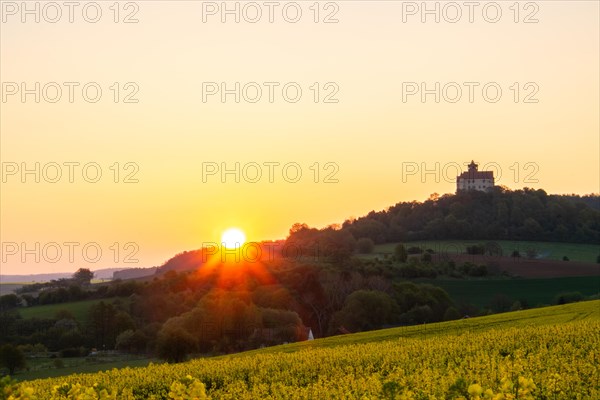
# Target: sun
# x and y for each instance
(233, 238)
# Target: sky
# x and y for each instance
(327, 112)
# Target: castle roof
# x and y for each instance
(477, 175)
(473, 173)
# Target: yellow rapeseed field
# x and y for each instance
(545, 361)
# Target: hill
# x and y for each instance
(543, 353)
(103, 274)
(500, 214)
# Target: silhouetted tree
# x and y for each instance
(365, 245)
(400, 252)
(175, 344)
(8, 301)
(364, 310)
(83, 276)
(12, 358)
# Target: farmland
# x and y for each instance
(481, 292)
(544, 250)
(79, 309)
(543, 353)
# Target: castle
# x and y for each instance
(474, 179)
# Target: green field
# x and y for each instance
(536, 291)
(44, 368)
(79, 309)
(546, 250)
(8, 288)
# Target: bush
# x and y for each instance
(516, 306)
(12, 358)
(131, 341)
(401, 253)
(451, 314)
(175, 344)
(411, 271)
(476, 249)
(565, 258)
(71, 352)
(414, 250)
(365, 245)
(364, 310)
(418, 315)
(478, 270)
(568, 297)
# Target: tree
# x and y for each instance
(568, 297)
(9, 301)
(131, 341)
(83, 276)
(174, 344)
(102, 325)
(365, 245)
(401, 253)
(451, 314)
(365, 310)
(12, 358)
(418, 315)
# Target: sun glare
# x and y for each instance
(233, 238)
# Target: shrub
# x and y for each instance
(476, 249)
(414, 250)
(478, 270)
(516, 306)
(451, 314)
(12, 358)
(175, 344)
(568, 297)
(365, 245)
(70, 352)
(401, 253)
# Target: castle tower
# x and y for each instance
(473, 179)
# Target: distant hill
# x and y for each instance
(189, 260)
(105, 273)
(134, 273)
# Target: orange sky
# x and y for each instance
(368, 136)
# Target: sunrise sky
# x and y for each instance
(370, 134)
